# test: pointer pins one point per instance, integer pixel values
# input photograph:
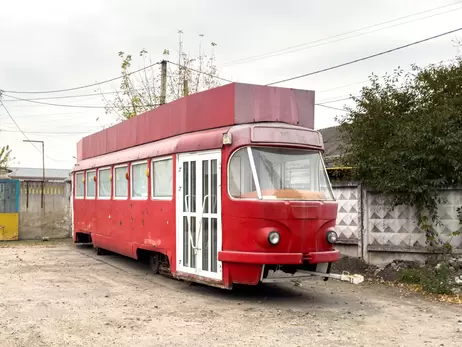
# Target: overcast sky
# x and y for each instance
(51, 44)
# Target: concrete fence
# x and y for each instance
(53, 220)
(369, 229)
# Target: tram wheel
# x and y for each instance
(154, 262)
(99, 251)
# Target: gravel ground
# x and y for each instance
(64, 295)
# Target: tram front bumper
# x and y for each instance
(278, 258)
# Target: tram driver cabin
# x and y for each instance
(221, 187)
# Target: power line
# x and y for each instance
(76, 96)
(333, 108)
(102, 82)
(65, 105)
(35, 100)
(342, 86)
(67, 96)
(80, 87)
(359, 82)
(47, 126)
(50, 104)
(365, 58)
(49, 132)
(337, 100)
(321, 42)
(47, 114)
(201, 72)
(19, 128)
(350, 97)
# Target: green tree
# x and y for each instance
(5, 157)
(404, 137)
(140, 92)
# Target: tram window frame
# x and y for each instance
(153, 177)
(132, 180)
(313, 172)
(228, 174)
(87, 185)
(114, 181)
(108, 168)
(79, 181)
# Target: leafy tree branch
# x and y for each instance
(404, 138)
(5, 157)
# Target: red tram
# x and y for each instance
(221, 187)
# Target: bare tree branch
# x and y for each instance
(140, 92)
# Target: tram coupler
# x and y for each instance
(303, 274)
(344, 276)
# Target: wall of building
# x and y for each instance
(369, 229)
(53, 220)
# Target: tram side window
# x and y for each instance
(91, 185)
(139, 180)
(79, 185)
(162, 178)
(104, 183)
(120, 182)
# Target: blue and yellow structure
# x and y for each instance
(9, 209)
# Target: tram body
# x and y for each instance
(220, 206)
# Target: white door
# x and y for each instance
(198, 207)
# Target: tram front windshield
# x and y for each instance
(269, 173)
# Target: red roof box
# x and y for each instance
(234, 103)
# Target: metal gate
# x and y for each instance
(9, 209)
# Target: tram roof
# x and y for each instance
(232, 104)
(267, 133)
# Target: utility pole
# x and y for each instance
(163, 82)
(185, 87)
(43, 168)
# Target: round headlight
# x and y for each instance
(331, 236)
(273, 237)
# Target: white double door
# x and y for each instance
(198, 206)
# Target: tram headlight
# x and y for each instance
(274, 237)
(331, 236)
